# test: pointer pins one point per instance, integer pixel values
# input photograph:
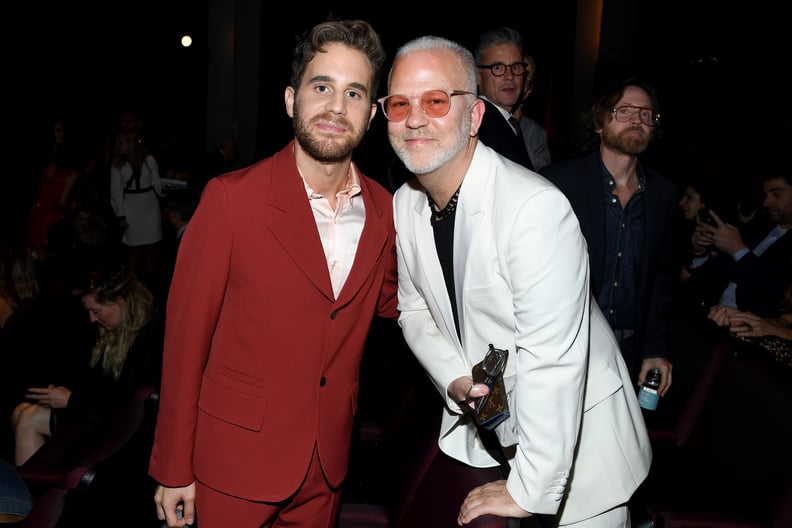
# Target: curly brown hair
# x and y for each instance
(357, 34)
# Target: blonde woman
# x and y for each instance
(135, 191)
(126, 355)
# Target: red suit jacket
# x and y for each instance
(261, 362)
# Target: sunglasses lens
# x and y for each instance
(396, 107)
(435, 103)
(494, 361)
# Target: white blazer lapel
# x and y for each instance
(465, 226)
(430, 262)
(469, 216)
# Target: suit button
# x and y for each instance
(322, 381)
(333, 315)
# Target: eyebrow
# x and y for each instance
(327, 79)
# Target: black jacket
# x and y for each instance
(580, 180)
(498, 134)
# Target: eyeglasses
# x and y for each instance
(494, 361)
(626, 113)
(499, 69)
(493, 365)
(435, 103)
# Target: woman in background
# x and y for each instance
(135, 191)
(53, 192)
(773, 335)
(126, 356)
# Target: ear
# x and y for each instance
(288, 97)
(372, 114)
(477, 114)
(598, 129)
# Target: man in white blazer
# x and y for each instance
(490, 252)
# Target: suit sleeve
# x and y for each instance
(547, 265)
(661, 284)
(761, 280)
(193, 308)
(433, 349)
(387, 303)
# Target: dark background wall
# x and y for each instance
(721, 72)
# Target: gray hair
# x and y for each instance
(496, 37)
(431, 43)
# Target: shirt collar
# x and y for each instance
(610, 183)
(353, 184)
(504, 113)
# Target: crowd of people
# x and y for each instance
(246, 296)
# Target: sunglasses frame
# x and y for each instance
(383, 100)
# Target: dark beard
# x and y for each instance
(321, 148)
(626, 145)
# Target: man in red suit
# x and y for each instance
(279, 273)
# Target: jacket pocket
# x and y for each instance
(232, 399)
(600, 386)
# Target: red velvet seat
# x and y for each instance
(678, 434)
(65, 468)
(48, 509)
(729, 464)
(412, 465)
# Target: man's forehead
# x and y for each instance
(635, 96)
(776, 184)
(423, 71)
(339, 64)
(503, 50)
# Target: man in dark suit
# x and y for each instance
(215, 162)
(628, 215)
(750, 275)
(283, 267)
(501, 75)
(177, 209)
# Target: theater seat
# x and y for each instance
(48, 509)
(731, 467)
(412, 464)
(62, 474)
(677, 435)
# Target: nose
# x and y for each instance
(416, 117)
(337, 103)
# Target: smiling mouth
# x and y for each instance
(331, 122)
(330, 128)
(416, 139)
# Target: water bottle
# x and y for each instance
(647, 394)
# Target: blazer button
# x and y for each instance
(333, 315)
(322, 381)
